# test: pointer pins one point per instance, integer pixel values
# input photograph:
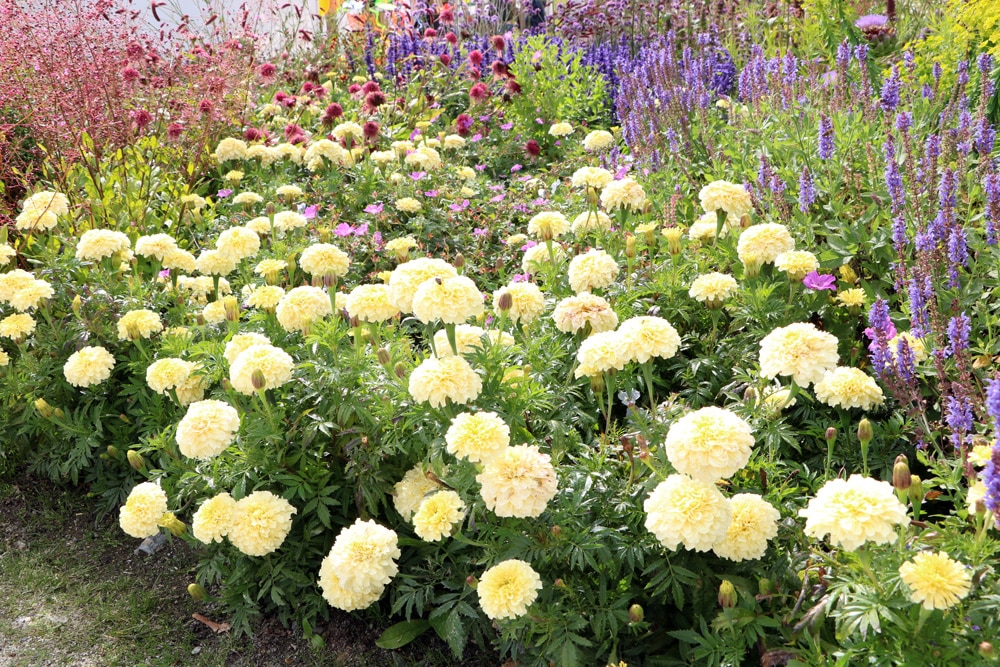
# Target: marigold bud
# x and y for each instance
(197, 591)
(831, 434)
(673, 236)
(901, 478)
(400, 370)
(173, 524)
(750, 396)
(232, 307)
(986, 649)
(848, 275)
(865, 433)
(505, 301)
(113, 451)
(44, 409)
(727, 594)
(383, 356)
(636, 613)
(472, 581)
(459, 261)
(135, 460)
(559, 583)
(258, 380)
(916, 490)
(556, 531)
(765, 586)
(630, 250)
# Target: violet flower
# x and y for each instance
(818, 281)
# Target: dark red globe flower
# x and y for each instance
(445, 59)
(451, 38)
(475, 58)
(174, 131)
(479, 92)
(370, 129)
(498, 42)
(267, 70)
(430, 32)
(532, 148)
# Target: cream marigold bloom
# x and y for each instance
(179, 260)
(410, 491)
(468, 339)
(848, 387)
(241, 342)
(852, 298)
(799, 350)
(191, 390)
(215, 312)
(274, 364)
(595, 269)
(598, 141)
(424, 157)
(646, 337)
(139, 324)
(709, 444)
(408, 276)
(591, 220)
(207, 429)
(371, 303)
(155, 246)
(165, 374)
(32, 295)
(438, 515)
(704, 228)
(17, 326)
(855, 511)
(915, 344)
(360, 564)
(324, 259)
(519, 482)
(261, 522)
(438, 380)
(935, 580)
(755, 521)
(624, 193)
(796, 263)
(230, 149)
(289, 152)
(452, 300)
(4, 358)
(591, 177)
(41, 211)
(215, 262)
(96, 244)
(348, 130)
(238, 243)
(301, 307)
(89, 366)
(478, 436)
(233, 176)
(548, 225)
(7, 253)
(214, 518)
(288, 191)
(265, 297)
(408, 205)
(466, 173)
(142, 511)
(683, 510)
(13, 282)
(575, 313)
(247, 199)
(975, 499)
(286, 221)
(729, 197)
(507, 589)
(600, 353)
(527, 302)
(538, 255)
(763, 243)
(713, 289)
(561, 130)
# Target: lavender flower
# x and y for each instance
(958, 334)
(958, 417)
(807, 191)
(825, 138)
(991, 186)
(889, 98)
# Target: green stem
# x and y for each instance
(647, 372)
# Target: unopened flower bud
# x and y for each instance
(459, 261)
(630, 250)
(865, 431)
(901, 478)
(831, 434)
(505, 301)
(986, 649)
(197, 591)
(113, 451)
(848, 275)
(355, 322)
(226, 384)
(77, 304)
(400, 370)
(750, 396)
(673, 236)
(597, 384)
(173, 524)
(636, 613)
(556, 531)
(472, 581)
(383, 356)
(765, 586)
(291, 263)
(258, 380)
(270, 209)
(727, 594)
(44, 409)
(559, 583)
(916, 490)
(751, 267)
(232, 307)
(324, 234)
(135, 460)
(58, 413)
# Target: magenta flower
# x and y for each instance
(310, 212)
(374, 209)
(817, 281)
(343, 229)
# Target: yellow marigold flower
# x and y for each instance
(478, 437)
(241, 342)
(975, 500)
(233, 177)
(191, 390)
(261, 522)
(852, 298)
(401, 148)
(796, 263)
(215, 312)
(266, 154)
(576, 312)
(600, 353)
(624, 193)
(165, 374)
(516, 239)
(645, 337)
(270, 268)
(32, 295)
(424, 157)
(778, 400)
(179, 260)
(590, 221)
(7, 253)
(855, 511)
(17, 326)
(289, 152)
(96, 244)
(348, 131)
(13, 282)
(230, 149)
(452, 300)
(507, 589)
(438, 515)
(935, 580)
(980, 455)
(755, 521)
(713, 289)
(286, 221)
(453, 141)
(591, 177)
(561, 130)
(360, 564)
(595, 269)
(140, 515)
(238, 243)
(709, 444)
(214, 518)
(527, 302)
(33, 219)
(410, 491)
(408, 276)
(4, 358)
(466, 173)
(518, 482)
(763, 243)
(328, 150)
(704, 228)
(215, 262)
(598, 141)
(46, 201)
(915, 344)
(371, 303)
(207, 429)
(729, 197)
(194, 202)
(408, 205)
(247, 199)
(265, 297)
(468, 339)
(537, 255)
(89, 366)
(548, 225)
(438, 380)
(799, 350)
(274, 364)
(288, 191)
(683, 510)
(139, 324)
(156, 246)
(302, 306)
(382, 158)
(847, 387)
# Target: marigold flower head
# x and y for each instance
(598, 141)
(140, 515)
(88, 366)
(601, 353)
(519, 482)
(165, 374)
(796, 263)
(591, 220)
(438, 380)
(408, 276)
(527, 302)
(755, 522)
(548, 225)
(410, 491)
(213, 519)
(215, 262)
(477, 436)
(324, 259)
(286, 221)
(683, 510)
(732, 198)
(799, 350)
(96, 244)
(301, 306)
(451, 299)
(855, 511)
(230, 148)
(31, 295)
(645, 337)
(624, 193)
(560, 130)
(207, 429)
(274, 364)
(238, 243)
(595, 269)
(591, 177)
(935, 580)
(360, 564)
(507, 589)
(854, 297)
(713, 289)
(155, 246)
(438, 515)
(538, 255)
(371, 303)
(17, 326)
(138, 324)
(576, 312)
(468, 339)
(763, 243)
(261, 522)
(13, 282)
(847, 387)
(266, 297)
(709, 444)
